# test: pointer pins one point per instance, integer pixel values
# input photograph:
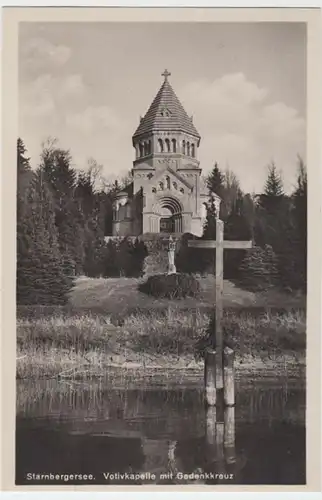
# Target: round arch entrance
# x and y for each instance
(171, 218)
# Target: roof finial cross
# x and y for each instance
(166, 73)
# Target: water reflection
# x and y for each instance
(166, 433)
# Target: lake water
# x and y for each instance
(161, 433)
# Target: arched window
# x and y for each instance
(193, 150)
(167, 180)
(183, 147)
(161, 186)
(160, 145)
(154, 190)
(167, 145)
(174, 145)
(175, 185)
(188, 148)
(181, 190)
(141, 149)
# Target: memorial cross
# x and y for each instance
(219, 245)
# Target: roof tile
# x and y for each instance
(166, 113)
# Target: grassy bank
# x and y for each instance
(70, 344)
(121, 295)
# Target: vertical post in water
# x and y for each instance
(229, 435)
(210, 376)
(229, 383)
(211, 446)
(220, 456)
(219, 301)
(211, 419)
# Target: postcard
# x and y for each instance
(161, 243)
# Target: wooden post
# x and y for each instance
(229, 383)
(223, 377)
(211, 418)
(220, 441)
(219, 301)
(220, 456)
(229, 435)
(211, 436)
(210, 377)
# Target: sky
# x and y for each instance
(87, 84)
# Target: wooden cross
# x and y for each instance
(219, 244)
(166, 74)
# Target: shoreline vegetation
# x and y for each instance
(80, 342)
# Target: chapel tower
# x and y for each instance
(166, 166)
(166, 172)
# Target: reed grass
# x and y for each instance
(83, 345)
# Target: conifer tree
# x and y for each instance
(236, 228)
(209, 230)
(215, 181)
(40, 274)
(206, 257)
(24, 173)
(274, 225)
(61, 179)
(95, 247)
(273, 193)
(23, 162)
(258, 270)
(300, 220)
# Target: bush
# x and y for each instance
(123, 257)
(193, 260)
(171, 286)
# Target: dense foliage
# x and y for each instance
(64, 215)
(42, 274)
(274, 221)
(171, 286)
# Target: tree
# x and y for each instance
(215, 181)
(40, 273)
(258, 270)
(111, 268)
(236, 228)
(275, 225)
(273, 191)
(23, 162)
(95, 247)
(24, 173)
(206, 257)
(209, 230)
(231, 193)
(62, 181)
(300, 219)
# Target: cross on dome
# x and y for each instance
(166, 73)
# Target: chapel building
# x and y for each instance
(167, 193)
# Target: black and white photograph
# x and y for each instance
(161, 253)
